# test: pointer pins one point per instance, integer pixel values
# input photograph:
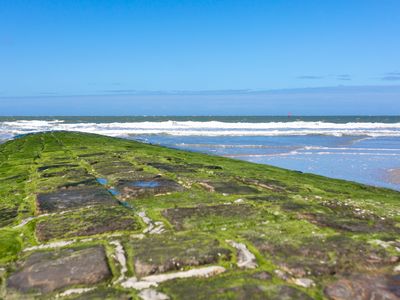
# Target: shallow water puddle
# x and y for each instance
(114, 192)
(102, 181)
(126, 204)
(145, 184)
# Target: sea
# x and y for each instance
(365, 149)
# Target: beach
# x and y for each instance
(361, 149)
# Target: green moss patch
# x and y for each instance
(229, 187)
(189, 217)
(321, 256)
(7, 215)
(70, 198)
(165, 253)
(232, 286)
(147, 187)
(87, 222)
(103, 294)
(330, 235)
(10, 245)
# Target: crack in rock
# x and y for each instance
(245, 259)
(27, 220)
(153, 280)
(152, 227)
(75, 291)
(121, 258)
(50, 245)
(304, 282)
(151, 294)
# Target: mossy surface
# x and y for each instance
(10, 245)
(160, 254)
(145, 210)
(87, 222)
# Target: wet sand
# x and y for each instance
(393, 176)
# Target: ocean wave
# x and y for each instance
(210, 128)
(238, 146)
(231, 146)
(300, 153)
(210, 125)
(348, 148)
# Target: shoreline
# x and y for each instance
(315, 159)
(393, 176)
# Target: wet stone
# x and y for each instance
(245, 289)
(349, 218)
(113, 167)
(65, 199)
(352, 223)
(14, 179)
(231, 187)
(268, 198)
(161, 254)
(92, 154)
(53, 174)
(45, 272)
(182, 168)
(99, 294)
(44, 168)
(173, 168)
(323, 257)
(213, 167)
(253, 291)
(147, 187)
(87, 222)
(78, 183)
(263, 275)
(113, 163)
(69, 173)
(365, 287)
(178, 216)
(272, 185)
(287, 292)
(8, 215)
(294, 206)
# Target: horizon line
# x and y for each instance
(196, 116)
(212, 92)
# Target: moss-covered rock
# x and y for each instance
(84, 216)
(45, 272)
(165, 253)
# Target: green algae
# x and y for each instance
(165, 253)
(86, 222)
(238, 285)
(296, 225)
(10, 245)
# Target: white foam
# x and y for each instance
(211, 128)
(298, 153)
(348, 148)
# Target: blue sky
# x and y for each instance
(189, 55)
